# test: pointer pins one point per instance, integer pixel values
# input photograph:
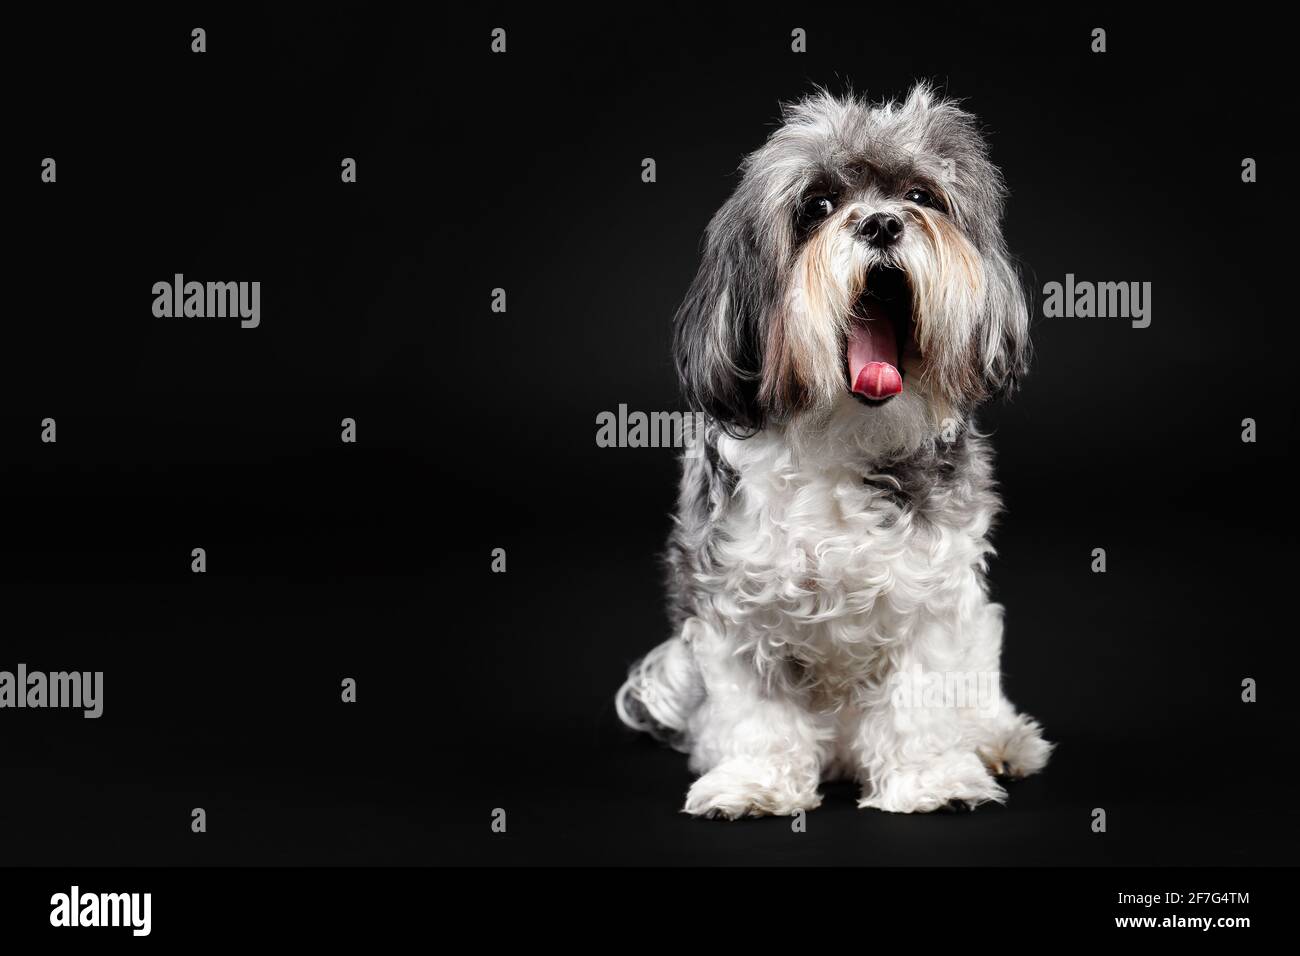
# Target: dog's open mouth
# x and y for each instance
(880, 328)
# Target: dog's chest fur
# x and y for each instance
(826, 561)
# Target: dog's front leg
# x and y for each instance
(758, 751)
(916, 751)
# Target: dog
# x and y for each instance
(830, 613)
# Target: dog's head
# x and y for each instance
(860, 260)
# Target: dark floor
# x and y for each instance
(221, 693)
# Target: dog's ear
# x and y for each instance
(1004, 345)
(720, 328)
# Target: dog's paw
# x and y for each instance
(742, 787)
(951, 781)
(1017, 751)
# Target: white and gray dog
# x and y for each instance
(831, 618)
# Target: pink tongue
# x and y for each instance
(873, 350)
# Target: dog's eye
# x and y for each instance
(921, 197)
(815, 208)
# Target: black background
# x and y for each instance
(476, 431)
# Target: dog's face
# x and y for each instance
(859, 260)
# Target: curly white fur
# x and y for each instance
(819, 568)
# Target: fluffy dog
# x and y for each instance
(855, 304)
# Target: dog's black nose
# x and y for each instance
(881, 229)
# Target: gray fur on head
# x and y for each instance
(760, 335)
